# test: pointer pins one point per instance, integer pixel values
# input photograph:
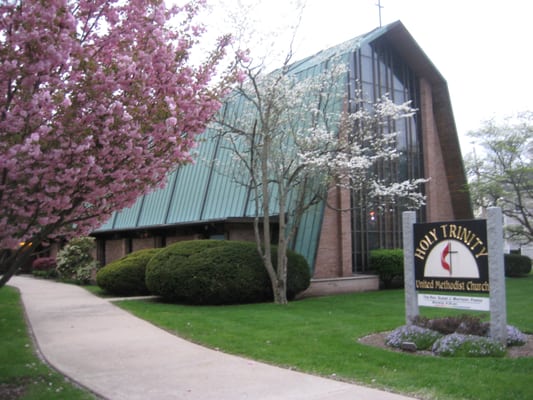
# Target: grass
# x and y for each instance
(22, 374)
(319, 336)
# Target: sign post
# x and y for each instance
(411, 301)
(498, 309)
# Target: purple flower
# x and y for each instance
(422, 337)
(461, 345)
(515, 337)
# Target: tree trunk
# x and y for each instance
(280, 292)
(277, 281)
(12, 263)
(281, 273)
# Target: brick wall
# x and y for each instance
(439, 202)
(334, 255)
(114, 249)
(144, 243)
(243, 232)
(174, 239)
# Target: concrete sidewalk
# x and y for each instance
(119, 356)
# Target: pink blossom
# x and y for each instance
(89, 98)
(171, 122)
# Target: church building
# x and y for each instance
(199, 203)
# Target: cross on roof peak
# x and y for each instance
(379, 6)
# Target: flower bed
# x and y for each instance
(463, 336)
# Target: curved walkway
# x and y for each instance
(119, 356)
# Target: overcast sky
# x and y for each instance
(483, 48)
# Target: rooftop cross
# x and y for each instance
(379, 6)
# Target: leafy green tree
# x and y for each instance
(501, 174)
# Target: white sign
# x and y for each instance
(458, 302)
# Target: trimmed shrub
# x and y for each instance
(218, 272)
(298, 273)
(517, 265)
(126, 276)
(388, 263)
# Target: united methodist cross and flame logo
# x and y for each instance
(445, 252)
(451, 259)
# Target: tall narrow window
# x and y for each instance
(380, 71)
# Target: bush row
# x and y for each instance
(201, 272)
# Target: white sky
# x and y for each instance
(482, 48)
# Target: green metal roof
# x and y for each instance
(196, 193)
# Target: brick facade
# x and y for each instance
(114, 249)
(439, 202)
(334, 255)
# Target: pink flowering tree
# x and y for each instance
(99, 99)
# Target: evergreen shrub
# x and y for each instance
(517, 265)
(126, 276)
(388, 263)
(219, 272)
(298, 273)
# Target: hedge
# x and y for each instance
(126, 276)
(517, 265)
(219, 272)
(388, 263)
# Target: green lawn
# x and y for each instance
(319, 335)
(316, 335)
(22, 374)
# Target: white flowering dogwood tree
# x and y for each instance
(293, 140)
(99, 100)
